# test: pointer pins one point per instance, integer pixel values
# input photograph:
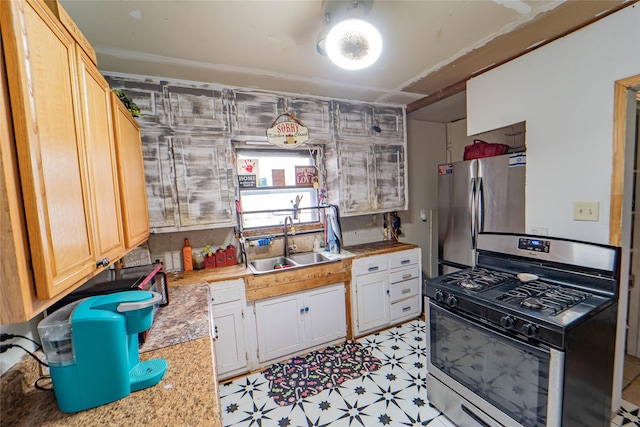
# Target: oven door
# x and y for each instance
(510, 380)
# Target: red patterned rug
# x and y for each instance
(305, 376)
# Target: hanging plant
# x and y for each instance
(128, 103)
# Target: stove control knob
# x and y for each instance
(452, 301)
(508, 322)
(439, 296)
(529, 329)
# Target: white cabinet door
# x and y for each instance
(230, 346)
(325, 315)
(280, 330)
(372, 294)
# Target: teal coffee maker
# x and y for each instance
(92, 349)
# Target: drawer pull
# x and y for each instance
(406, 309)
(405, 261)
(406, 276)
(406, 290)
(374, 268)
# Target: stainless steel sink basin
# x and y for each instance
(308, 258)
(271, 264)
(281, 263)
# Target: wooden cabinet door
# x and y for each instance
(352, 119)
(252, 113)
(160, 178)
(373, 301)
(196, 108)
(357, 178)
(231, 353)
(280, 327)
(390, 181)
(133, 192)
(316, 116)
(95, 103)
(205, 181)
(390, 122)
(43, 92)
(325, 317)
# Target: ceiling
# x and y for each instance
(430, 47)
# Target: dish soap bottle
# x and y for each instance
(187, 256)
(316, 244)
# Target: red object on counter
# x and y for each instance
(231, 255)
(221, 258)
(209, 261)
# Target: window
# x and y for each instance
(274, 184)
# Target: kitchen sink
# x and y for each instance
(309, 258)
(281, 263)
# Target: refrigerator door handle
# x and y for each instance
(480, 205)
(472, 203)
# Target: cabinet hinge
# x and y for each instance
(242, 314)
(246, 353)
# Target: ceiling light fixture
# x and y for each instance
(351, 43)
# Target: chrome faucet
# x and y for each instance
(286, 235)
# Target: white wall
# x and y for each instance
(14, 355)
(426, 148)
(564, 92)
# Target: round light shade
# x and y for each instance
(353, 44)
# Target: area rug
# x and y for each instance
(305, 376)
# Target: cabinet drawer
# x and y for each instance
(405, 308)
(369, 265)
(224, 292)
(401, 276)
(404, 289)
(404, 258)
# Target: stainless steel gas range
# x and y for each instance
(527, 336)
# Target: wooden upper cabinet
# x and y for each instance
(131, 175)
(51, 155)
(95, 102)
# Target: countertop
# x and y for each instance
(186, 395)
(240, 271)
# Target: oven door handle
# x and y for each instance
(474, 416)
(473, 212)
(480, 205)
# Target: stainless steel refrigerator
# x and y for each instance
(475, 196)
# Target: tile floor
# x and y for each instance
(394, 395)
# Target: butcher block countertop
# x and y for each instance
(240, 271)
(186, 395)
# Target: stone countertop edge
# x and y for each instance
(239, 271)
(187, 395)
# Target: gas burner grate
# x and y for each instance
(540, 296)
(477, 279)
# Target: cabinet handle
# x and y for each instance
(302, 311)
(406, 290)
(388, 292)
(406, 309)
(406, 276)
(104, 262)
(306, 309)
(374, 268)
(405, 261)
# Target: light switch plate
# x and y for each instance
(586, 211)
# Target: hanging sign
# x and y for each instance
(305, 175)
(287, 134)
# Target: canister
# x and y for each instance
(231, 255)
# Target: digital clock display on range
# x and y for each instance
(535, 245)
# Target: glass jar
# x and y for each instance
(198, 260)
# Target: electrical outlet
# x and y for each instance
(539, 231)
(586, 211)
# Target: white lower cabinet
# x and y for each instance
(385, 290)
(372, 301)
(228, 305)
(288, 324)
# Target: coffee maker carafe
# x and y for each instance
(92, 349)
